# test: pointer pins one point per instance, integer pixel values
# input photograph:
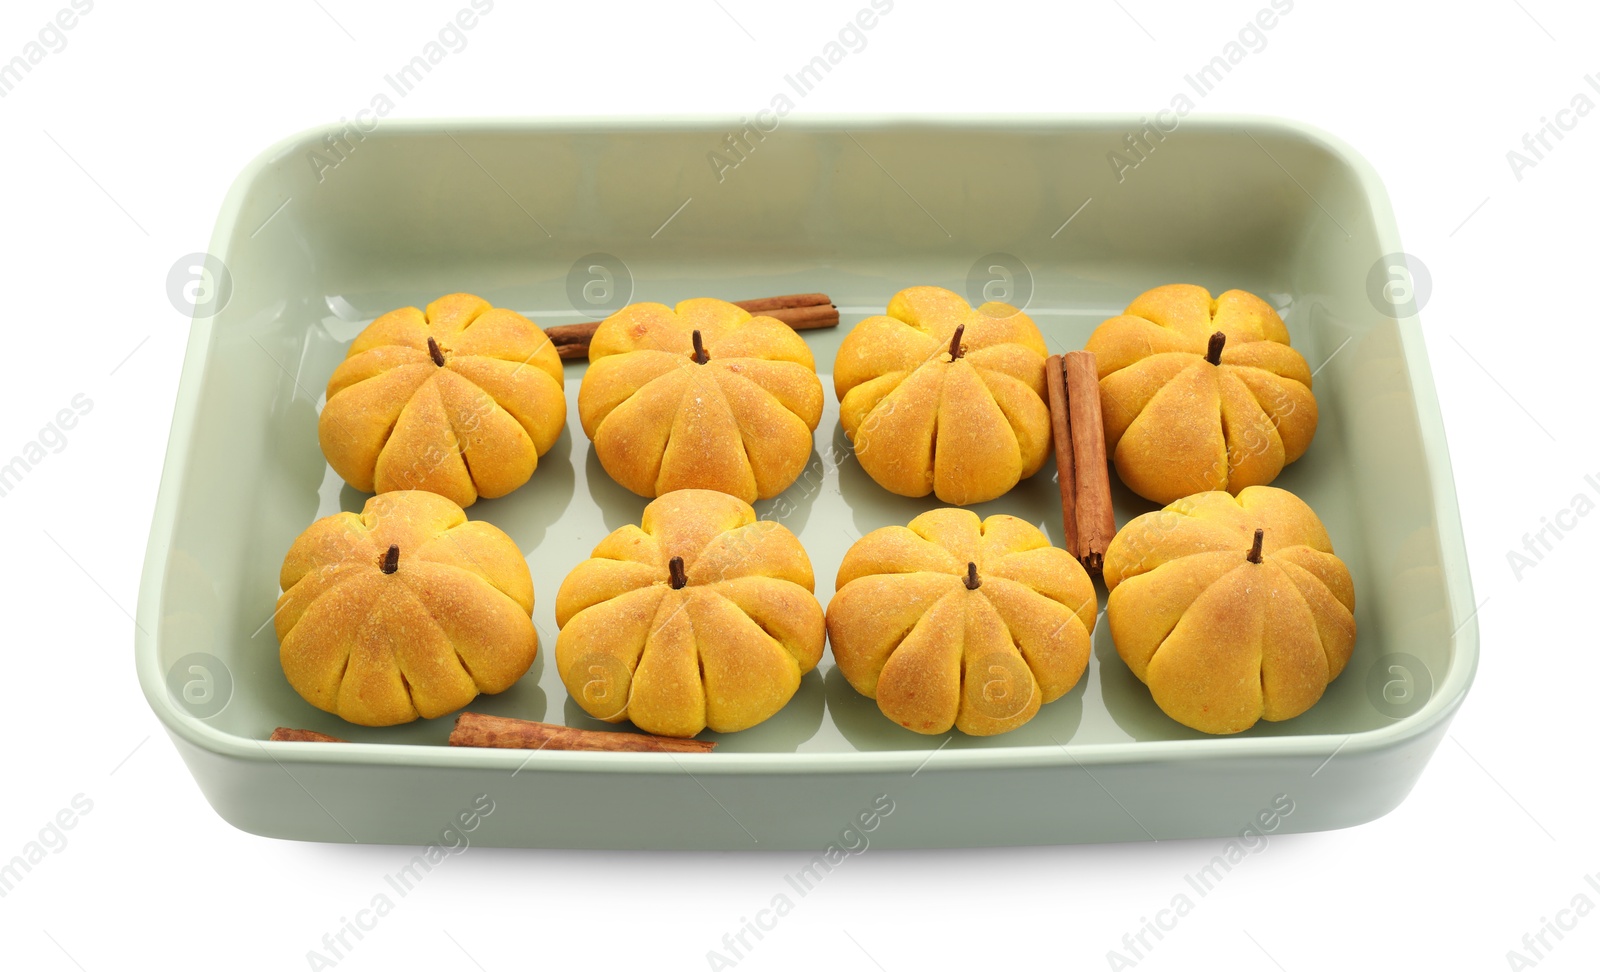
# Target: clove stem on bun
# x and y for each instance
(972, 581)
(435, 353)
(1255, 548)
(675, 575)
(1214, 349)
(955, 341)
(700, 356)
(391, 559)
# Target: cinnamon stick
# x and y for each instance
(1061, 431)
(285, 734)
(564, 334)
(500, 732)
(803, 312)
(1097, 522)
(805, 318)
(763, 305)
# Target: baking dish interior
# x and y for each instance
(335, 228)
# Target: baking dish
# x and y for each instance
(564, 220)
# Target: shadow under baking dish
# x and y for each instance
(520, 212)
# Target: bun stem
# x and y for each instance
(955, 341)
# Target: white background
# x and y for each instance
(118, 150)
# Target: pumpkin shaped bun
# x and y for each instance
(954, 622)
(700, 617)
(1201, 394)
(1231, 609)
(406, 610)
(944, 398)
(703, 396)
(461, 400)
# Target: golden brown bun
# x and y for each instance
(1176, 424)
(966, 430)
(1221, 641)
(740, 423)
(724, 652)
(475, 426)
(908, 631)
(378, 649)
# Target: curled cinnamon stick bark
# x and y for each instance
(1061, 433)
(500, 732)
(285, 734)
(807, 318)
(765, 305)
(803, 312)
(1097, 522)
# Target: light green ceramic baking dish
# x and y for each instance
(563, 219)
